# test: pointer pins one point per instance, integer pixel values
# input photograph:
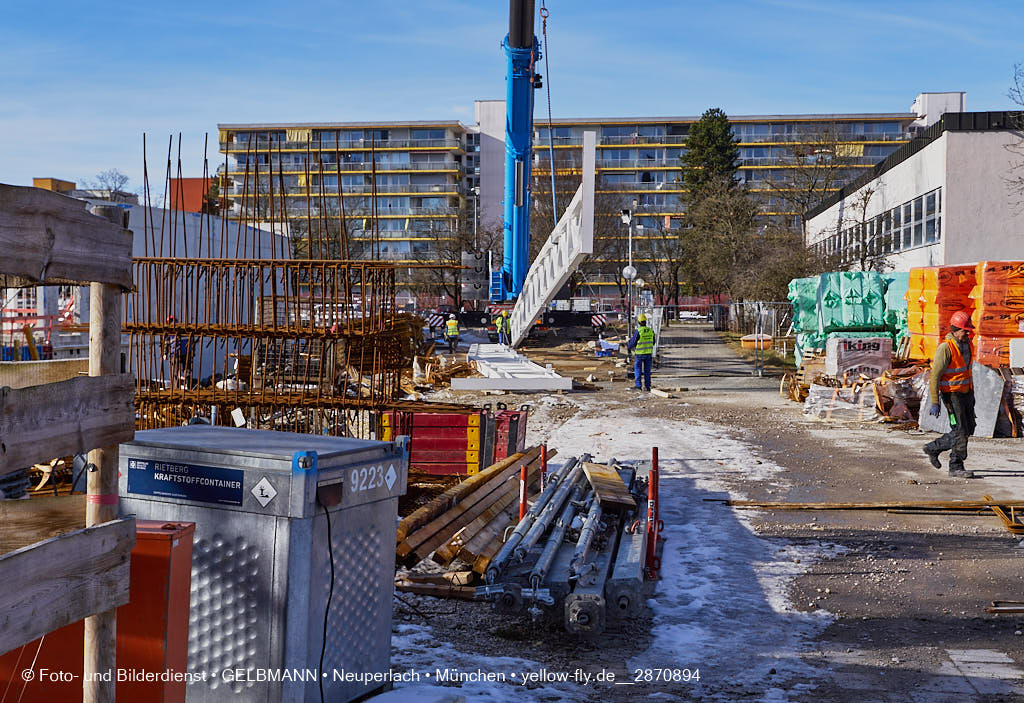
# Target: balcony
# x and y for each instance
(365, 166)
(823, 138)
(639, 164)
(792, 161)
(638, 186)
(342, 145)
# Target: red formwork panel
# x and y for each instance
(152, 629)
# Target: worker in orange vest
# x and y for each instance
(951, 380)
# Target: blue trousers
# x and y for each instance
(642, 366)
(503, 337)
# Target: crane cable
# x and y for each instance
(551, 131)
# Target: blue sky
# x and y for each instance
(80, 84)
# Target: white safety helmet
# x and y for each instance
(451, 317)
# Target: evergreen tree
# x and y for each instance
(712, 152)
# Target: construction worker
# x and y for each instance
(951, 380)
(177, 349)
(451, 333)
(642, 346)
(504, 327)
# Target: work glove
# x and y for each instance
(934, 412)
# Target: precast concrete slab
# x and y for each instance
(506, 370)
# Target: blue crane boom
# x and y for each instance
(522, 51)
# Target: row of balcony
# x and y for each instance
(341, 145)
(681, 139)
(315, 169)
(653, 164)
(383, 211)
(237, 190)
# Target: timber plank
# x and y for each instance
(467, 499)
(452, 496)
(51, 238)
(441, 530)
(611, 492)
(495, 530)
(64, 579)
(22, 374)
(447, 552)
(64, 418)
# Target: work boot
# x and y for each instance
(960, 473)
(933, 457)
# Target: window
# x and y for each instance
(428, 134)
(651, 130)
(619, 154)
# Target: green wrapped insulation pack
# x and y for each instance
(851, 300)
(803, 294)
(896, 304)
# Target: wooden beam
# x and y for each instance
(611, 492)
(49, 238)
(62, 580)
(64, 418)
(22, 374)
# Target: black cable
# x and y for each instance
(330, 596)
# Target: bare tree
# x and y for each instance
(1016, 94)
(717, 238)
(112, 180)
(815, 165)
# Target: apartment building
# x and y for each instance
(434, 179)
(404, 183)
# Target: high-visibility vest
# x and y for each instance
(957, 376)
(501, 323)
(451, 328)
(644, 340)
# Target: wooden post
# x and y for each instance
(105, 302)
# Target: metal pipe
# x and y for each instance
(587, 533)
(540, 569)
(497, 564)
(652, 516)
(523, 479)
(544, 520)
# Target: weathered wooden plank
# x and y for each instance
(447, 552)
(440, 530)
(22, 374)
(425, 513)
(611, 492)
(493, 534)
(439, 591)
(64, 418)
(50, 238)
(62, 580)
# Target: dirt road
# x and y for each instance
(785, 606)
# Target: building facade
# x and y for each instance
(413, 188)
(946, 198)
(404, 183)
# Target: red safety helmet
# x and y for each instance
(962, 320)
(170, 319)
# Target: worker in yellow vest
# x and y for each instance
(951, 380)
(642, 346)
(503, 326)
(451, 333)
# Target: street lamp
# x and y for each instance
(476, 203)
(629, 272)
